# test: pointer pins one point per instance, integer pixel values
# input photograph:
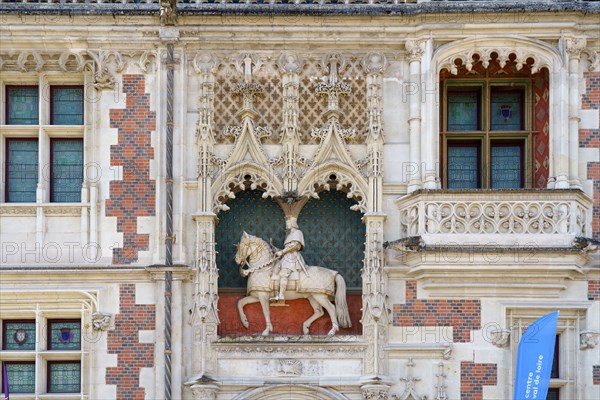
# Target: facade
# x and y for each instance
(442, 157)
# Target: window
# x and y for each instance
(66, 105)
(486, 133)
(21, 170)
(66, 163)
(43, 155)
(22, 106)
(47, 364)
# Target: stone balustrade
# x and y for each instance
(499, 217)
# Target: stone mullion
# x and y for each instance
(415, 53)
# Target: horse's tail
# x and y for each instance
(341, 305)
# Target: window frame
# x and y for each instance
(524, 138)
(51, 112)
(49, 381)
(7, 88)
(49, 322)
(10, 320)
(7, 162)
(51, 166)
(17, 362)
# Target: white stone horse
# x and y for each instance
(317, 287)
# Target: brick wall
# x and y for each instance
(596, 374)
(474, 376)
(124, 341)
(593, 290)
(590, 138)
(462, 315)
(135, 195)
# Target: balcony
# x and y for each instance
(520, 242)
(542, 218)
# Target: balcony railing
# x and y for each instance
(496, 217)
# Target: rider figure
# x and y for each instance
(290, 259)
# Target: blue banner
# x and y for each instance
(534, 359)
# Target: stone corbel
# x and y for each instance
(415, 49)
(204, 388)
(574, 47)
(106, 65)
(102, 321)
(500, 337)
(588, 339)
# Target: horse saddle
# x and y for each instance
(292, 283)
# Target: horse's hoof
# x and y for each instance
(245, 324)
(265, 332)
(305, 330)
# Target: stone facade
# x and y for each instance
(285, 103)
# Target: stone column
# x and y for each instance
(560, 112)
(430, 137)
(415, 52)
(573, 49)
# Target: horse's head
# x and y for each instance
(242, 249)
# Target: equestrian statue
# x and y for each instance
(284, 275)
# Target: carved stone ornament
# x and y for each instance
(501, 337)
(204, 392)
(168, 12)
(588, 339)
(415, 49)
(375, 392)
(410, 392)
(574, 47)
(102, 321)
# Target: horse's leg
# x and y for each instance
(318, 313)
(324, 301)
(264, 302)
(241, 304)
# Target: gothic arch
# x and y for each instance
(290, 392)
(241, 176)
(543, 54)
(345, 178)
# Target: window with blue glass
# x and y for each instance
(21, 170)
(20, 376)
(66, 170)
(18, 335)
(64, 334)
(486, 133)
(64, 376)
(22, 105)
(66, 104)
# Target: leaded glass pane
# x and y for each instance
(64, 335)
(67, 170)
(19, 335)
(463, 167)
(334, 235)
(506, 113)
(463, 111)
(506, 167)
(67, 106)
(21, 377)
(22, 171)
(23, 105)
(251, 213)
(64, 377)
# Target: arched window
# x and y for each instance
(494, 125)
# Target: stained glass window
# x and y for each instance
(64, 377)
(67, 170)
(67, 105)
(21, 377)
(18, 335)
(507, 109)
(334, 235)
(64, 335)
(23, 105)
(463, 166)
(506, 166)
(463, 111)
(22, 170)
(251, 213)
